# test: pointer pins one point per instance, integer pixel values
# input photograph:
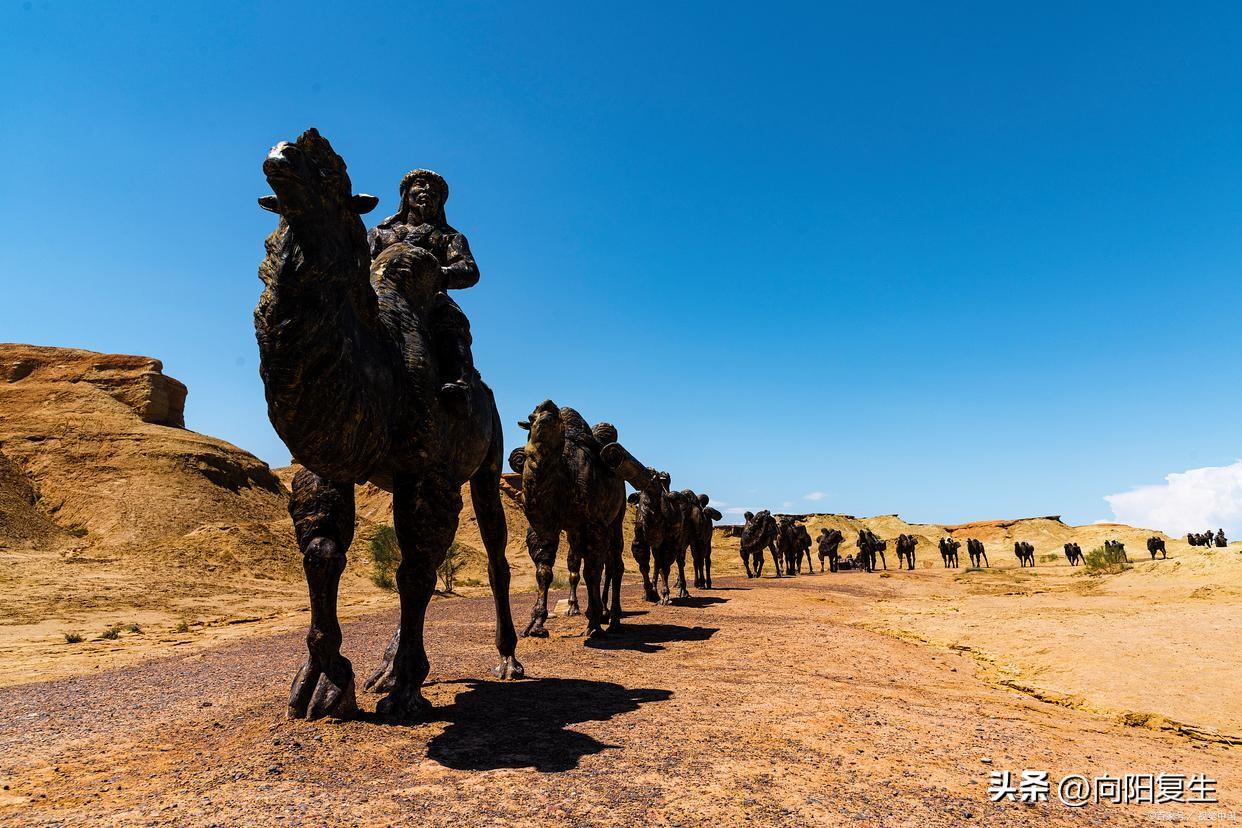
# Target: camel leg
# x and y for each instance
(425, 512)
(707, 565)
(323, 514)
(573, 562)
(613, 569)
(485, 495)
(664, 564)
(640, 550)
(594, 556)
(682, 592)
(985, 560)
(776, 560)
(542, 544)
(746, 563)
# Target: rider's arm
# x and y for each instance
(461, 271)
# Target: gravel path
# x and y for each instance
(746, 704)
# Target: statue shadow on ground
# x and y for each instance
(525, 724)
(649, 638)
(699, 601)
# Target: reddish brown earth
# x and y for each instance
(752, 704)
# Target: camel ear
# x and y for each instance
(632, 499)
(270, 203)
(363, 203)
(524, 425)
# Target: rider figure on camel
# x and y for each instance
(420, 222)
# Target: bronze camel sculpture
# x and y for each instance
(352, 381)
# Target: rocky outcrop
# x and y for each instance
(96, 444)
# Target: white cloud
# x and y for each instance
(1189, 501)
(814, 496)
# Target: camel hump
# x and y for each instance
(517, 459)
(604, 433)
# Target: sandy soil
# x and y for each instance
(755, 702)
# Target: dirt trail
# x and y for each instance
(749, 704)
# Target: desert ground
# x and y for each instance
(825, 699)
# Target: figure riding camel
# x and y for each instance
(420, 222)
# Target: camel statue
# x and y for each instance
(352, 380)
(1073, 554)
(1156, 545)
(1024, 552)
(948, 551)
(1116, 548)
(803, 544)
(905, 550)
(699, 517)
(661, 535)
(759, 533)
(1221, 540)
(829, 542)
(869, 545)
(787, 546)
(566, 487)
(974, 548)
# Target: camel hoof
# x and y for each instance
(594, 633)
(509, 668)
(404, 704)
(651, 598)
(573, 610)
(683, 593)
(535, 631)
(318, 694)
(615, 626)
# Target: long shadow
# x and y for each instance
(525, 724)
(649, 638)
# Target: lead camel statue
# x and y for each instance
(360, 388)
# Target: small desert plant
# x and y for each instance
(454, 560)
(133, 628)
(182, 627)
(73, 638)
(79, 531)
(385, 555)
(112, 633)
(1105, 561)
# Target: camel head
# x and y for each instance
(546, 429)
(310, 184)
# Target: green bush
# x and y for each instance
(74, 638)
(112, 633)
(182, 627)
(1102, 561)
(385, 556)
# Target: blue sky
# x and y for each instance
(953, 262)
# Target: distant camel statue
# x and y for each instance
(868, 547)
(974, 548)
(1156, 545)
(948, 551)
(1220, 538)
(1025, 553)
(905, 550)
(1116, 547)
(759, 533)
(829, 547)
(1073, 554)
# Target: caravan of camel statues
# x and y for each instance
(368, 373)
